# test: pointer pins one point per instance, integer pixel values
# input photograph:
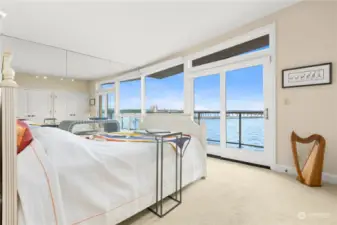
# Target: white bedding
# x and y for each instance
(64, 179)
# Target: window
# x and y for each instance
(102, 104)
(130, 104)
(165, 91)
(207, 105)
(107, 86)
(110, 105)
(245, 105)
(106, 101)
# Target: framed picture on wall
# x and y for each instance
(319, 74)
(92, 102)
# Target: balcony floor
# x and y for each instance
(237, 194)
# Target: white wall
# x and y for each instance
(40, 59)
(92, 94)
(52, 83)
(306, 35)
(61, 98)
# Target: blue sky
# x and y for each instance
(166, 93)
(130, 94)
(244, 91)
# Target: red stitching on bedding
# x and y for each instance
(48, 182)
(100, 214)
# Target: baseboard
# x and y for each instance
(238, 161)
(326, 177)
(283, 169)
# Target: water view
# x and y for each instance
(252, 131)
(244, 104)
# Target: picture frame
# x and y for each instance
(319, 74)
(92, 102)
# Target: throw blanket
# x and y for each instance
(180, 142)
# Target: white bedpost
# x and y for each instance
(9, 149)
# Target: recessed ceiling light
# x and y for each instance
(44, 77)
(72, 80)
(36, 76)
(61, 78)
(3, 14)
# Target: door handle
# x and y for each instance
(266, 113)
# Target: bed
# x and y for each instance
(64, 179)
(8, 143)
(72, 180)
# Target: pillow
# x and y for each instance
(24, 136)
(30, 123)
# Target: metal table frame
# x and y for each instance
(157, 208)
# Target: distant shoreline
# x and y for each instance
(230, 117)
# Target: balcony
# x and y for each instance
(245, 129)
(130, 121)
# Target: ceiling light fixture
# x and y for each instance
(72, 80)
(2, 14)
(36, 77)
(45, 77)
(61, 78)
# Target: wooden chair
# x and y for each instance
(311, 173)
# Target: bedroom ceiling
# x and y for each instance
(127, 34)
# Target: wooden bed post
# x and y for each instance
(9, 149)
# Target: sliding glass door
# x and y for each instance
(102, 105)
(130, 104)
(106, 98)
(246, 103)
(235, 105)
(207, 107)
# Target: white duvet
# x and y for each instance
(65, 179)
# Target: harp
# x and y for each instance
(311, 173)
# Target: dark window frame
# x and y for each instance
(236, 50)
(171, 71)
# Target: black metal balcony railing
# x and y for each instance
(238, 114)
(132, 122)
(198, 117)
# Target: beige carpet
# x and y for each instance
(236, 194)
